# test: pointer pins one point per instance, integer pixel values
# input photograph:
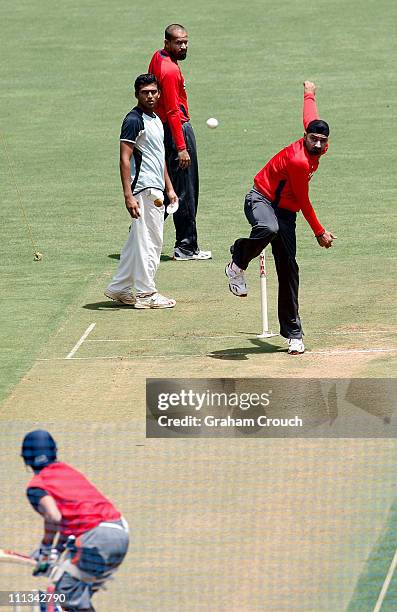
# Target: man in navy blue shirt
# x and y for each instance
(144, 179)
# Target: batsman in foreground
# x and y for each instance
(78, 519)
(281, 189)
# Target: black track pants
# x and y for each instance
(186, 186)
(275, 225)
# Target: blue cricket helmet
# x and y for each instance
(39, 449)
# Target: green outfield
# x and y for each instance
(67, 72)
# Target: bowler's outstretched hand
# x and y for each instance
(325, 240)
(309, 87)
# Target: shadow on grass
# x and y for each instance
(163, 257)
(166, 258)
(106, 306)
(240, 354)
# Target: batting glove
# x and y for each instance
(46, 558)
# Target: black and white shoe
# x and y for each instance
(295, 346)
(180, 255)
(236, 278)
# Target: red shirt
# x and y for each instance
(172, 106)
(82, 506)
(285, 178)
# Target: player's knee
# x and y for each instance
(272, 229)
(265, 232)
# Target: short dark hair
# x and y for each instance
(318, 126)
(168, 34)
(144, 79)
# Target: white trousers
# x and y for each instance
(140, 256)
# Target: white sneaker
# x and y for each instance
(295, 346)
(202, 255)
(155, 300)
(236, 277)
(179, 255)
(124, 297)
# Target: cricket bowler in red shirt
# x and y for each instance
(281, 189)
(78, 519)
(179, 140)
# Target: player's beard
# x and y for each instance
(313, 151)
(182, 55)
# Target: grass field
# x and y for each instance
(66, 76)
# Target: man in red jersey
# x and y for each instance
(179, 140)
(76, 516)
(281, 189)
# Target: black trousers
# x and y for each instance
(275, 226)
(186, 186)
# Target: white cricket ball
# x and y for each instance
(212, 123)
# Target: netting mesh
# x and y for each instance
(217, 525)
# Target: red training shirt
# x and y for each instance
(172, 106)
(82, 506)
(285, 178)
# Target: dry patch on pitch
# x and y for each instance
(114, 389)
(371, 330)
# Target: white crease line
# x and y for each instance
(167, 338)
(242, 336)
(386, 584)
(344, 351)
(80, 342)
(354, 332)
(218, 355)
(126, 357)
